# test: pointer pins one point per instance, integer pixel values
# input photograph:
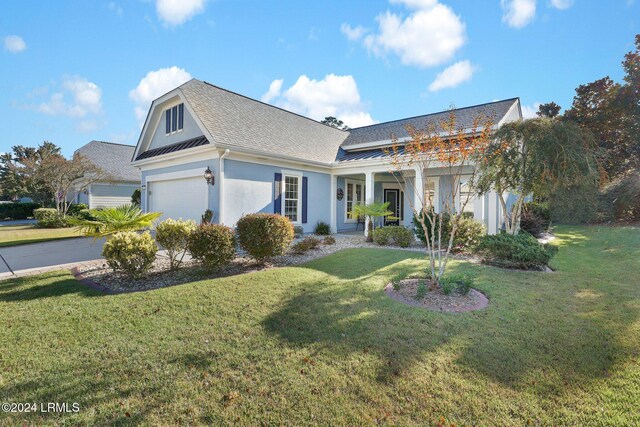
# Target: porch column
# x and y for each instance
(369, 196)
(418, 190)
(333, 204)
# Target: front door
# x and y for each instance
(392, 196)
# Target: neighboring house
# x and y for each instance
(124, 179)
(266, 159)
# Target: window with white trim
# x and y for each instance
(466, 194)
(291, 207)
(355, 192)
(431, 193)
(174, 119)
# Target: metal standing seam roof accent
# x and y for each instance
(190, 143)
(375, 153)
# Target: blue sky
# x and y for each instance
(73, 71)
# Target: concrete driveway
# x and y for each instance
(48, 254)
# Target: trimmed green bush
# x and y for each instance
(393, 235)
(305, 245)
(458, 283)
(17, 210)
(467, 236)
(264, 236)
(620, 200)
(130, 253)
(212, 245)
(136, 197)
(322, 229)
(50, 218)
(173, 236)
(75, 208)
(421, 292)
(521, 251)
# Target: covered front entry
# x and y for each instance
(395, 198)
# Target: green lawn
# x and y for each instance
(21, 234)
(321, 344)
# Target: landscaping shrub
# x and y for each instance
(520, 251)
(212, 245)
(173, 236)
(49, 218)
(620, 199)
(322, 229)
(305, 245)
(467, 236)
(393, 235)
(130, 252)
(75, 208)
(207, 217)
(136, 197)
(264, 235)
(329, 240)
(458, 283)
(17, 210)
(298, 231)
(421, 292)
(535, 219)
(84, 214)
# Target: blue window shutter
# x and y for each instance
(277, 194)
(304, 199)
(167, 115)
(180, 116)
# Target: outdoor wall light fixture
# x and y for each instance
(144, 187)
(208, 176)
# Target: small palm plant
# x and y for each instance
(370, 211)
(105, 222)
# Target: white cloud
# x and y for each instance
(529, 111)
(79, 98)
(14, 44)
(518, 13)
(561, 4)
(115, 8)
(336, 96)
(429, 36)
(353, 33)
(155, 84)
(452, 76)
(274, 91)
(177, 12)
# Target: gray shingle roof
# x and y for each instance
(236, 120)
(115, 159)
(464, 116)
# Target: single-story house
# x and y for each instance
(266, 159)
(124, 178)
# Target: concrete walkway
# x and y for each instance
(37, 257)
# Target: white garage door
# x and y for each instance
(178, 198)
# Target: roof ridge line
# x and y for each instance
(439, 112)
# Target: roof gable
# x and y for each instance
(235, 120)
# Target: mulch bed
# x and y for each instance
(436, 300)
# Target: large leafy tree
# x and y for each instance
(611, 111)
(20, 172)
(536, 156)
(550, 110)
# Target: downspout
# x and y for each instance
(221, 186)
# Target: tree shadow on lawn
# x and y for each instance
(61, 283)
(529, 334)
(102, 400)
